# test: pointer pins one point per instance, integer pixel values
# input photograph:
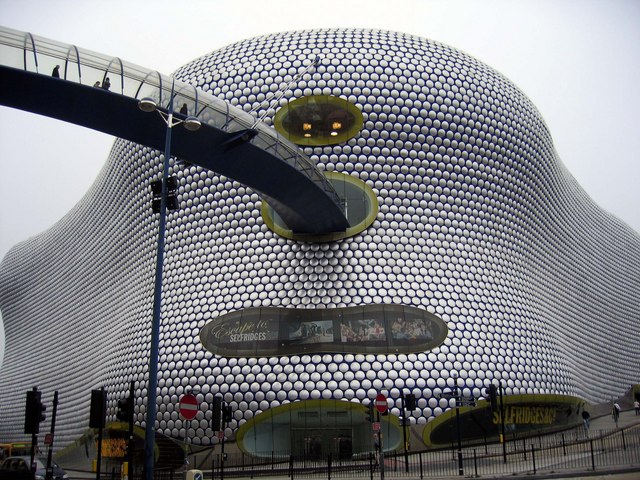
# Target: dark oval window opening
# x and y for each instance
(318, 120)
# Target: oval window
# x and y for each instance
(358, 200)
(318, 120)
(365, 329)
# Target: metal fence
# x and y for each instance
(569, 451)
(561, 452)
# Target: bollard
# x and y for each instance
(194, 475)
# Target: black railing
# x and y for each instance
(566, 451)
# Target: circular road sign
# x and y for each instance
(381, 403)
(188, 406)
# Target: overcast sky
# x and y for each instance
(577, 60)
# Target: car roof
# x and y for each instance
(27, 459)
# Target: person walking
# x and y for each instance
(636, 405)
(585, 420)
(615, 413)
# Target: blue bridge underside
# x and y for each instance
(303, 206)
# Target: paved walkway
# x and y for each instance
(627, 419)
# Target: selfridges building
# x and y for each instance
(468, 217)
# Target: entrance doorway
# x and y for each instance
(315, 429)
(316, 443)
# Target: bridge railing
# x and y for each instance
(40, 55)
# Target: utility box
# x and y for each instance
(194, 475)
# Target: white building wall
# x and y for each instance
(479, 223)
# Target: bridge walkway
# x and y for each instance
(100, 92)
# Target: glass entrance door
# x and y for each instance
(317, 443)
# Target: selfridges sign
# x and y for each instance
(527, 415)
(257, 332)
(523, 414)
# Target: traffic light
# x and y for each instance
(410, 401)
(493, 397)
(369, 414)
(125, 409)
(217, 413)
(34, 411)
(227, 414)
(172, 194)
(98, 408)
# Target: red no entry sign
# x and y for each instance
(381, 403)
(188, 406)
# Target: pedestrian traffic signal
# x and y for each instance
(34, 411)
(125, 409)
(493, 397)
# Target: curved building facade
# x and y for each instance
(478, 223)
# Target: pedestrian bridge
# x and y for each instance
(103, 93)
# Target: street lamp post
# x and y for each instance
(404, 433)
(458, 396)
(504, 438)
(192, 124)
